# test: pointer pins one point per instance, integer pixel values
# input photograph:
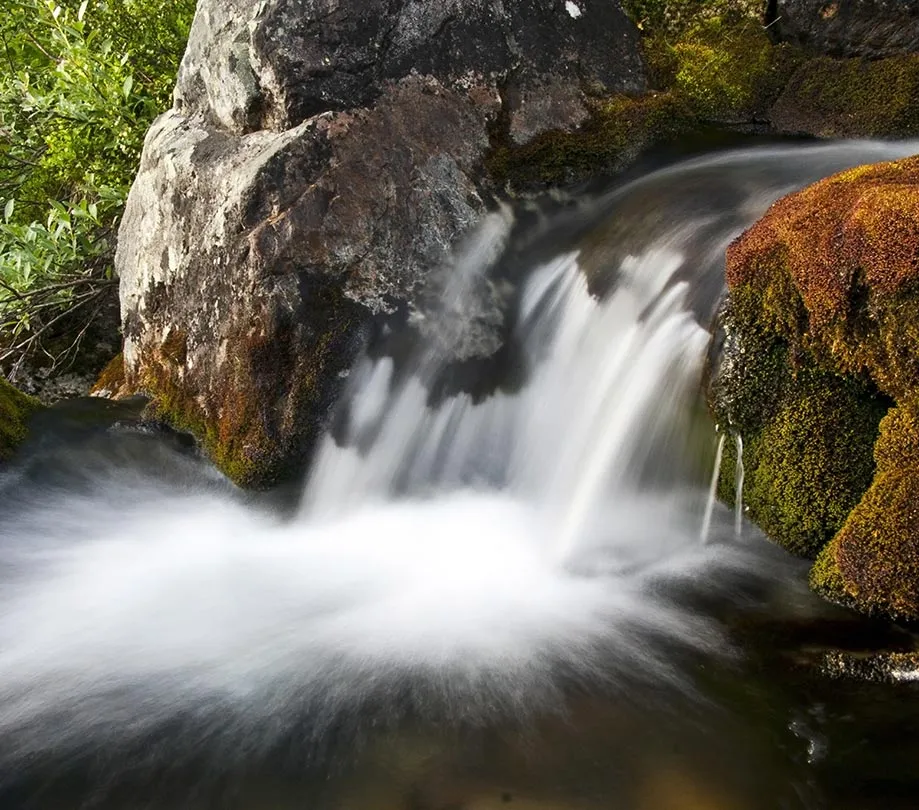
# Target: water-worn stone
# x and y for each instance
(321, 159)
(822, 336)
(868, 28)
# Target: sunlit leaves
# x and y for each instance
(80, 83)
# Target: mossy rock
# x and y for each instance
(111, 382)
(15, 411)
(259, 421)
(812, 461)
(807, 453)
(724, 70)
(835, 271)
(719, 68)
(824, 308)
(618, 129)
(834, 98)
(873, 562)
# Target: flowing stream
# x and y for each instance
(519, 595)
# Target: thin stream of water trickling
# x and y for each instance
(713, 489)
(738, 486)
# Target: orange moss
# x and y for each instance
(862, 219)
(874, 560)
(111, 381)
(833, 271)
(836, 267)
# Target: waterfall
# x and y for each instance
(458, 557)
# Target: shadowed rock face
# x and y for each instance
(320, 162)
(869, 28)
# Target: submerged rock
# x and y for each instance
(315, 172)
(821, 339)
(15, 410)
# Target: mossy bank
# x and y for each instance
(715, 64)
(819, 374)
(15, 411)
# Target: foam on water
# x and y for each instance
(481, 554)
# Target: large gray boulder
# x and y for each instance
(871, 28)
(321, 160)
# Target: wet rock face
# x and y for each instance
(868, 28)
(321, 160)
(819, 375)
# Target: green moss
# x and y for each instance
(811, 464)
(897, 447)
(754, 367)
(825, 578)
(15, 410)
(831, 273)
(723, 73)
(619, 128)
(874, 560)
(676, 17)
(839, 97)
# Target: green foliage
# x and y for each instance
(80, 83)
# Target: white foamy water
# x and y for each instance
(473, 557)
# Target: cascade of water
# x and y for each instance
(476, 554)
(712, 490)
(738, 486)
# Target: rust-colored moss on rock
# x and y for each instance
(837, 269)
(272, 394)
(832, 273)
(111, 382)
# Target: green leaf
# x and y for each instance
(8, 210)
(82, 11)
(127, 85)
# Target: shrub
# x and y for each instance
(80, 84)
